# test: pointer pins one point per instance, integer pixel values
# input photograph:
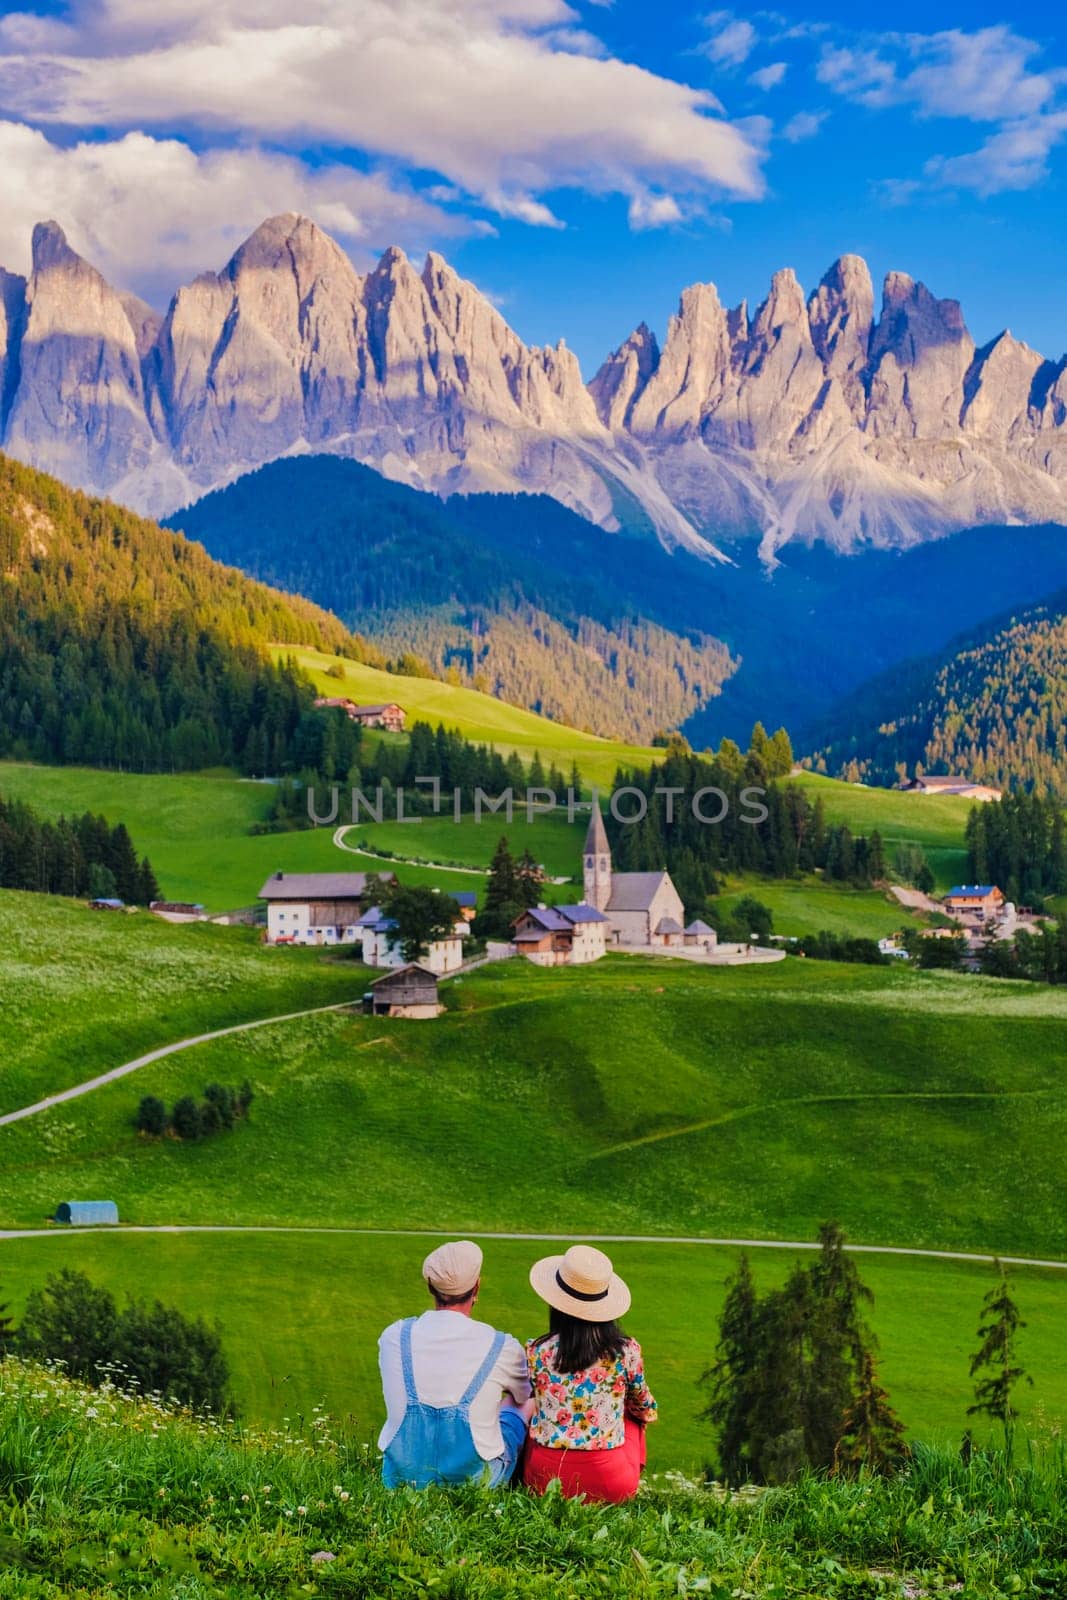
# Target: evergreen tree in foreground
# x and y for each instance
(872, 1433)
(995, 1363)
(793, 1384)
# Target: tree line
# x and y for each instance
(1020, 844)
(82, 856)
(190, 1120)
(792, 836)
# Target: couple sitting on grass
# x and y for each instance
(465, 1402)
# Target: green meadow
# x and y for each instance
(82, 991)
(636, 1097)
(935, 821)
(301, 1315)
(633, 1096)
(477, 716)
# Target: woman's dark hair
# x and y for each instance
(582, 1344)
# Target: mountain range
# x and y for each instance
(812, 418)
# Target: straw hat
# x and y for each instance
(581, 1283)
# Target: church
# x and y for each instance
(642, 908)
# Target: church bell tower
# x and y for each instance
(596, 862)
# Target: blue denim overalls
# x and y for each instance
(434, 1444)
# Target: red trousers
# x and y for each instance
(611, 1475)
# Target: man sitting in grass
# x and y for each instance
(457, 1392)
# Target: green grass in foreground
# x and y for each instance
(109, 1497)
(632, 1096)
(82, 991)
(301, 1315)
(479, 717)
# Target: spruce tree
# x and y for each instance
(734, 1375)
(995, 1363)
(872, 1435)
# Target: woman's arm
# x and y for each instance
(640, 1401)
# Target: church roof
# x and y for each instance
(634, 891)
(596, 839)
(698, 926)
(668, 925)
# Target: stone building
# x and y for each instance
(642, 908)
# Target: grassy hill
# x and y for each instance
(634, 1097)
(478, 716)
(122, 1496)
(990, 705)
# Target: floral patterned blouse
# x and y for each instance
(586, 1410)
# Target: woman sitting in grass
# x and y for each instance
(590, 1396)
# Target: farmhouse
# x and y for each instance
(974, 902)
(555, 936)
(642, 908)
(317, 907)
(944, 785)
(381, 949)
(410, 991)
(388, 715)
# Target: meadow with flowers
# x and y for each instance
(106, 1494)
(919, 1109)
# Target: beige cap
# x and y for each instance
(583, 1282)
(453, 1269)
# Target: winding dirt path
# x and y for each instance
(146, 1060)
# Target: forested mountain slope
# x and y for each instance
(124, 645)
(513, 594)
(992, 706)
(608, 631)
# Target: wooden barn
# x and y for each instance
(409, 991)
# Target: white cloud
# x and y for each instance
(653, 211)
(986, 76)
(732, 41)
(1015, 158)
(506, 100)
(805, 125)
(769, 77)
(151, 212)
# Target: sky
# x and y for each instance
(580, 160)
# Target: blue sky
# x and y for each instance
(581, 162)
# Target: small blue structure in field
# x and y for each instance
(88, 1213)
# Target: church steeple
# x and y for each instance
(596, 862)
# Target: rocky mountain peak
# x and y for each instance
(51, 250)
(814, 418)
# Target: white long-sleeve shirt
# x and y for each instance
(447, 1348)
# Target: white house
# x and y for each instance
(556, 936)
(320, 908)
(381, 949)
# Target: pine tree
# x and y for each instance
(530, 879)
(734, 1376)
(872, 1435)
(994, 1363)
(502, 892)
